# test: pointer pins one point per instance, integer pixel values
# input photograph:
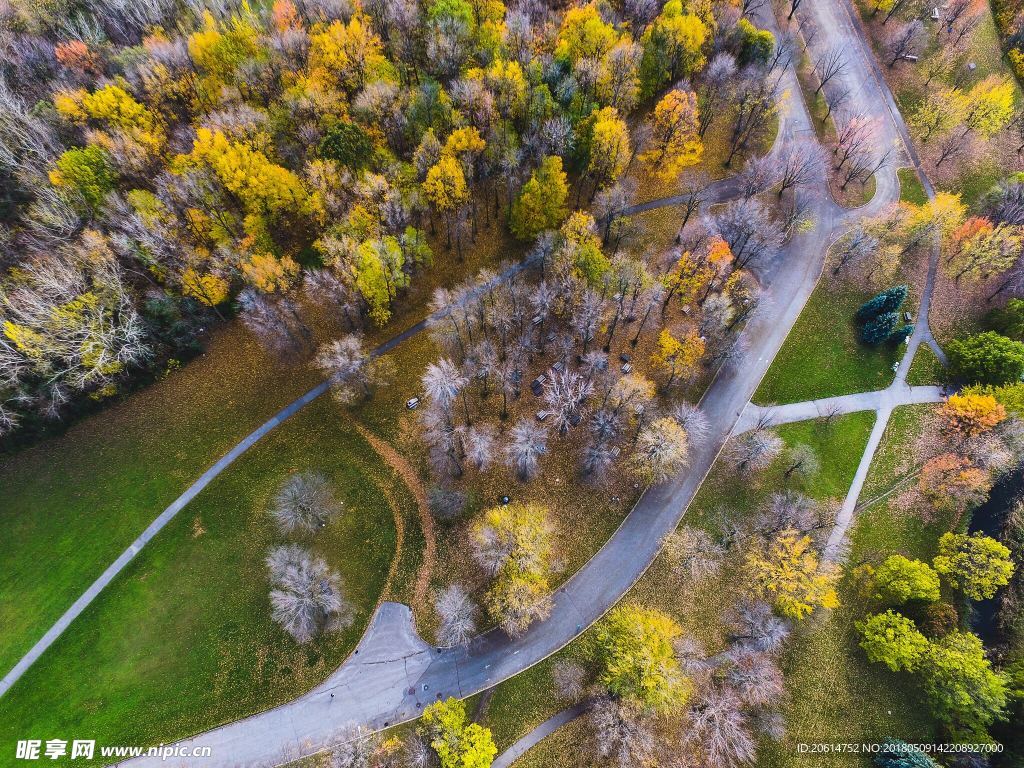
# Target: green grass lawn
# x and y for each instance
(911, 190)
(835, 695)
(925, 368)
(183, 640)
(526, 700)
(823, 355)
(74, 502)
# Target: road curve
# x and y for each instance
(378, 690)
(192, 491)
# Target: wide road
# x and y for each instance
(394, 674)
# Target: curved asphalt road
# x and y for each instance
(395, 674)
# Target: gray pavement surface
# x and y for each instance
(899, 393)
(492, 657)
(394, 674)
(541, 732)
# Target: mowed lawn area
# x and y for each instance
(823, 355)
(183, 639)
(835, 694)
(71, 504)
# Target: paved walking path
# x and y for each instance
(541, 732)
(899, 393)
(192, 491)
(393, 673)
(385, 692)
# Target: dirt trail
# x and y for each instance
(409, 476)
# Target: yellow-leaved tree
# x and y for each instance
(636, 651)
(445, 188)
(269, 273)
(678, 356)
(205, 287)
(113, 108)
(989, 106)
(262, 187)
(541, 203)
(675, 142)
(788, 572)
(513, 543)
(584, 35)
(609, 146)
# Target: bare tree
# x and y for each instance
(458, 616)
(856, 137)
(444, 438)
(692, 554)
(904, 41)
(622, 734)
(694, 187)
(714, 88)
(274, 321)
(564, 395)
(586, 319)
(747, 226)
(959, 20)
(755, 677)
(854, 248)
(351, 370)
(755, 626)
(610, 206)
(953, 144)
(755, 106)
(755, 450)
(759, 175)
(479, 444)
(417, 753)
(794, 5)
(835, 97)
(789, 510)
(357, 749)
(802, 462)
(692, 419)
(306, 595)
(830, 65)
(527, 443)
(445, 503)
(569, 679)
(782, 55)
(719, 730)
(305, 502)
(799, 166)
(443, 382)
(324, 286)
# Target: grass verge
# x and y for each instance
(823, 355)
(911, 189)
(183, 640)
(925, 368)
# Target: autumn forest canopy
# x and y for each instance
(167, 166)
